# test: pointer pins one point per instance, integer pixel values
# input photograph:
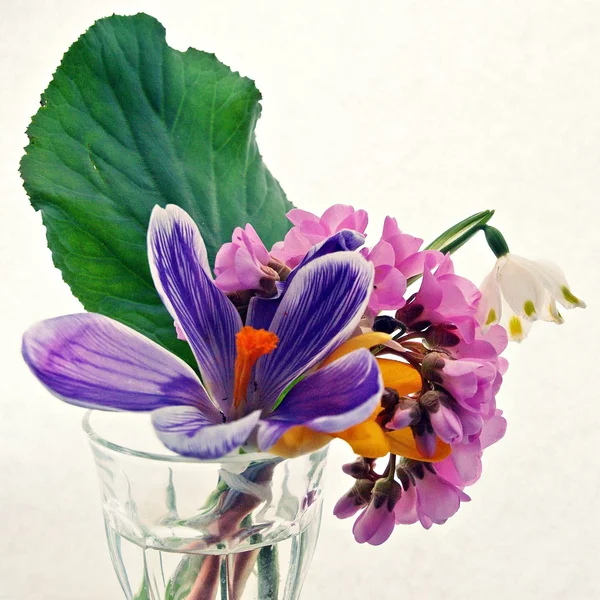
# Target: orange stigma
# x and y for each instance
(251, 344)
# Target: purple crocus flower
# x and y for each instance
(245, 397)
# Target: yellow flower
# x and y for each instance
(367, 438)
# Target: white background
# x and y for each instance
(428, 111)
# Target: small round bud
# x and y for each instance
(282, 270)
(407, 413)
(441, 336)
(410, 313)
(389, 398)
(432, 363)
(387, 324)
(361, 468)
(386, 492)
(430, 400)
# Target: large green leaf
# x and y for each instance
(127, 123)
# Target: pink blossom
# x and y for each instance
(396, 258)
(405, 511)
(471, 372)
(309, 230)
(469, 381)
(347, 506)
(463, 467)
(427, 497)
(376, 523)
(446, 424)
(444, 299)
(354, 500)
(243, 263)
(437, 499)
(179, 331)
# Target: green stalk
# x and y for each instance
(458, 235)
(472, 223)
(268, 573)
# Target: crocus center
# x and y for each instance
(250, 344)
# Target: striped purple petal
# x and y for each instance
(92, 361)
(208, 319)
(262, 310)
(320, 309)
(187, 431)
(343, 241)
(340, 395)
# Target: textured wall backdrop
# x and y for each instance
(427, 111)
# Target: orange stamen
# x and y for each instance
(251, 344)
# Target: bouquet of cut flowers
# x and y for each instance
(295, 332)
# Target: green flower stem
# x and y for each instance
(458, 235)
(268, 573)
(470, 224)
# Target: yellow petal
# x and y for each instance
(299, 440)
(402, 442)
(365, 340)
(399, 376)
(366, 439)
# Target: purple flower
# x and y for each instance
(444, 421)
(427, 496)
(471, 382)
(354, 500)
(463, 467)
(376, 523)
(309, 230)
(243, 264)
(256, 383)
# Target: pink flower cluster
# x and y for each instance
(244, 263)
(462, 372)
(309, 230)
(459, 360)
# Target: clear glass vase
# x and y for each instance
(243, 527)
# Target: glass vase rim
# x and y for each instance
(94, 437)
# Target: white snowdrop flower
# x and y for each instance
(519, 291)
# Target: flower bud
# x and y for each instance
(407, 413)
(495, 241)
(389, 398)
(425, 438)
(376, 523)
(387, 324)
(444, 421)
(432, 363)
(442, 336)
(282, 270)
(386, 492)
(430, 400)
(361, 468)
(410, 313)
(356, 498)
